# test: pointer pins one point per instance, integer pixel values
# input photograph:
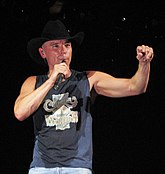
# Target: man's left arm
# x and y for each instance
(107, 85)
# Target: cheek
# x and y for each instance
(70, 52)
(52, 54)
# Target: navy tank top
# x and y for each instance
(63, 125)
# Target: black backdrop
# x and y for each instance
(128, 133)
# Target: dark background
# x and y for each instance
(128, 133)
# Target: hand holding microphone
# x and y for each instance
(63, 73)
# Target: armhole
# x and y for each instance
(37, 79)
(93, 95)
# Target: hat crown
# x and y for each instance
(54, 30)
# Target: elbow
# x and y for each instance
(19, 115)
(137, 91)
(143, 90)
(22, 113)
(140, 91)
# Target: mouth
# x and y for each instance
(61, 61)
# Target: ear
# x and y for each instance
(42, 53)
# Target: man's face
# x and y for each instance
(57, 51)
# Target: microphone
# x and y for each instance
(60, 76)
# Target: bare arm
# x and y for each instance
(30, 98)
(107, 85)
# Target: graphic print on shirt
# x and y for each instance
(61, 107)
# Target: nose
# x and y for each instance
(63, 49)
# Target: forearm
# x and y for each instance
(139, 81)
(28, 104)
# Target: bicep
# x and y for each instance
(108, 85)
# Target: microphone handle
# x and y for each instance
(58, 81)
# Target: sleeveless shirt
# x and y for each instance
(63, 125)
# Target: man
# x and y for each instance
(59, 101)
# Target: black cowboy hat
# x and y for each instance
(53, 30)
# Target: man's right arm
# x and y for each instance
(30, 98)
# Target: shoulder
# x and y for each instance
(92, 77)
(29, 82)
(96, 77)
(30, 79)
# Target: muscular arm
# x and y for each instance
(108, 85)
(30, 98)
